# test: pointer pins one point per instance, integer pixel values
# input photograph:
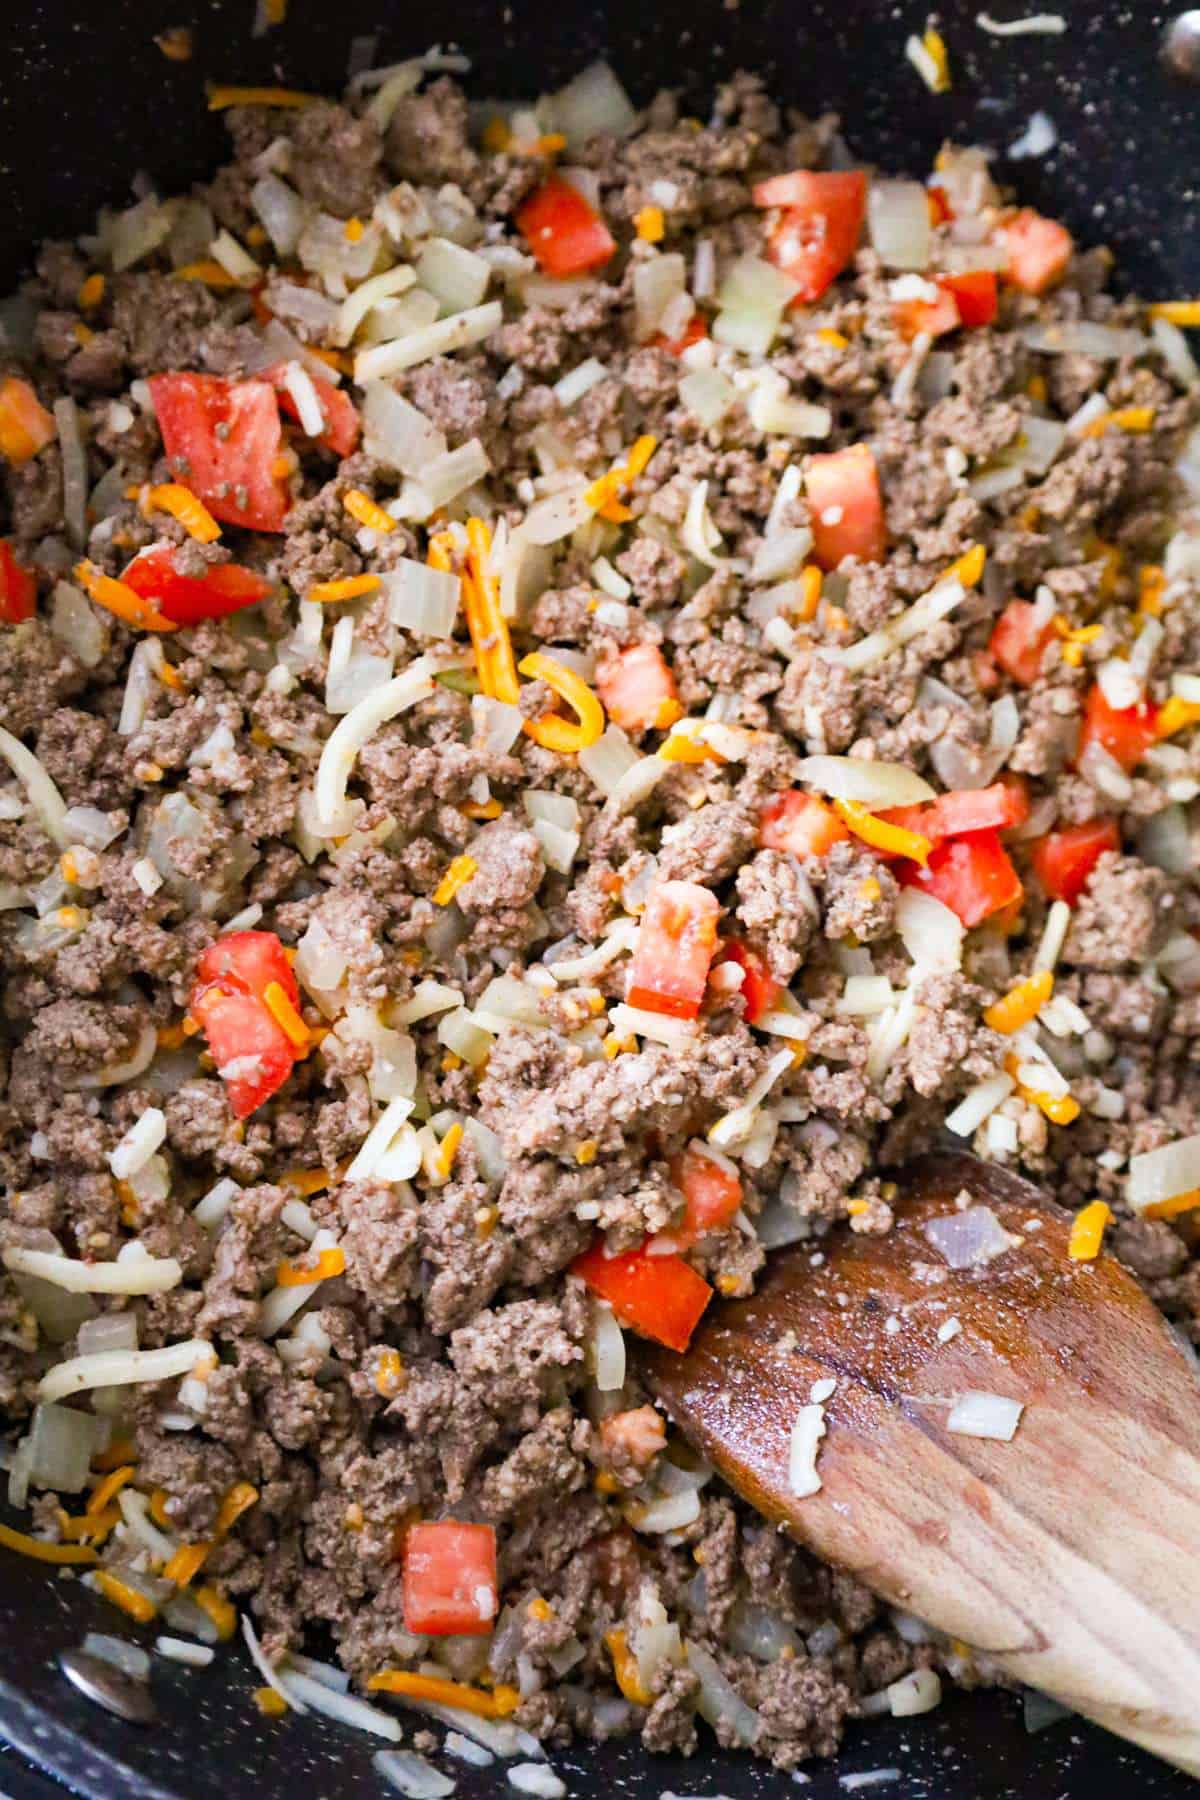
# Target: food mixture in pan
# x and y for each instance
(576, 685)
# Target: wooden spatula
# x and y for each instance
(1071, 1553)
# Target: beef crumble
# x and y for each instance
(462, 934)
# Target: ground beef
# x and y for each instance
(443, 1362)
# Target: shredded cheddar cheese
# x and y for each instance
(880, 835)
(352, 587)
(270, 1703)
(1126, 418)
(306, 1181)
(497, 1704)
(1173, 1205)
(212, 273)
(221, 95)
(496, 135)
(625, 1669)
(1176, 714)
(649, 224)
(494, 659)
(389, 1374)
(41, 1551)
(360, 506)
(354, 231)
(127, 1598)
(1152, 579)
(1087, 1231)
(1177, 312)
(551, 731)
(329, 1264)
(284, 1013)
(182, 504)
(1022, 1005)
(186, 1564)
(219, 1610)
(121, 1450)
(108, 1488)
(87, 1528)
(91, 293)
(585, 1152)
(240, 1498)
(1060, 1109)
(969, 567)
(118, 598)
(682, 748)
(934, 45)
(835, 339)
(811, 579)
(456, 876)
(447, 1150)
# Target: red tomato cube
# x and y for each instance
(975, 293)
(759, 989)
(659, 1297)
(638, 689)
(1063, 861)
(933, 316)
(564, 231)
(675, 945)
(253, 1053)
(820, 228)
(187, 599)
(1125, 732)
(1039, 250)
(972, 875)
(450, 1584)
(342, 423)
(845, 506)
(1018, 643)
(224, 439)
(800, 824)
(712, 1194)
(18, 587)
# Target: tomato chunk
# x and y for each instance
(659, 1297)
(638, 689)
(18, 587)
(563, 229)
(933, 316)
(995, 808)
(820, 228)
(800, 824)
(1126, 732)
(450, 1585)
(1039, 250)
(675, 945)
(974, 293)
(693, 331)
(712, 1194)
(342, 423)
(187, 599)
(845, 506)
(232, 977)
(1063, 861)
(759, 988)
(25, 425)
(1018, 643)
(225, 439)
(972, 875)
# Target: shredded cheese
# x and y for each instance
(279, 1005)
(1087, 1231)
(1176, 714)
(1022, 1005)
(457, 875)
(1177, 312)
(119, 598)
(969, 567)
(208, 270)
(41, 1551)
(1060, 1109)
(186, 1563)
(329, 1264)
(1126, 418)
(129, 1599)
(625, 1669)
(880, 835)
(494, 658)
(108, 1488)
(649, 224)
(222, 95)
(219, 1610)
(352, 587)
(360, 506)
(551, 731)
(496, 1704)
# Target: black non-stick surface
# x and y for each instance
(87, 100)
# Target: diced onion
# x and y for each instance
(44, 796)
(62, 1443)
(579, 381)
(74, 470)
(917, 1692)
(609, 759)
(719, 1702)
(1175, 352)
(193, 1656)
(139, 1143)
(969, 1238)
(397, 433)
(898, 223)
(1079, 337)
(698, 535)
(447, 476)
(593, 102)
(929, 931)
(412, 1776)
(389, 1152)
(132, 235)
(657, 281)
(557, 516)
(872, 784)
(422, 600)
(608, 1349)
(459, 1032)
(130, 1658)
(122, 1368)
(499, 723)
(456, 277)
(1165, 840)
(708, 395)
(983, 1415)
(281, 210)
(1160, 1175)
(752, 299)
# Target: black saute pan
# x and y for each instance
(86, 100)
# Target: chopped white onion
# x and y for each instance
(968, 1239)
(61, 1444)
(447, 476)
(1176, 352)
(929, 931)
(898, 223)
(708, 395)
(1079, 337)
(983, 1415)
(593, 102)
(719, 1701)
(579, 381)
(803, 1445)
(609, 759)
(657, 281)
(607, 1348)
(281, 210)
(979, 1104)
(1164, 1174)
(917, 1692)
(397, 433)
(412, 1776)
(439, 339)
(44, 796)
(193, 1656)
(130, 1658)
(874, 784)
(556, 516)
(752, 300)
(457, 278)
(139, 1143)
(422, 600)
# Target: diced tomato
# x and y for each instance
(845, 506)
(933, 316)
(1039, 250)
(975, 294)
(450, 1585)
(675, 945)
(25, 425)
(693, 331)
(1018, 643)
(342, 423)
(995, 808)
(940, 210)
(659, 1297)
(820, 228)
(712, 1194)
(759, 988)
(1126, 732)
(563, 229)
(638, 689)
(1064, 860)
(232, 977)
(972, 875)
(18, 587)
(800, 824)
(225, 439)
(187, 599)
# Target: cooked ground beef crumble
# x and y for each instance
(452, 1365)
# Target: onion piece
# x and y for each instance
(1157, 1176)
(133, 234)
(1079, 337)
(593, 102)
(281, 210)
(457, 278)
(74, 470)
(422, 600)
(192, 1656)
(978, 1105)
(439, 339)
(412, 1776)
(807, 1432)
(983, 1415)
(656, 283)
(719, 1702)
(120, 1653)
(609, 760)
(898, 224)
(873, 784)
(62, 1443)
(917, 1692)
(44, 796)
(929, 931)
(968, 1239)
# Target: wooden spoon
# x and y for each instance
(1072, 1553)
